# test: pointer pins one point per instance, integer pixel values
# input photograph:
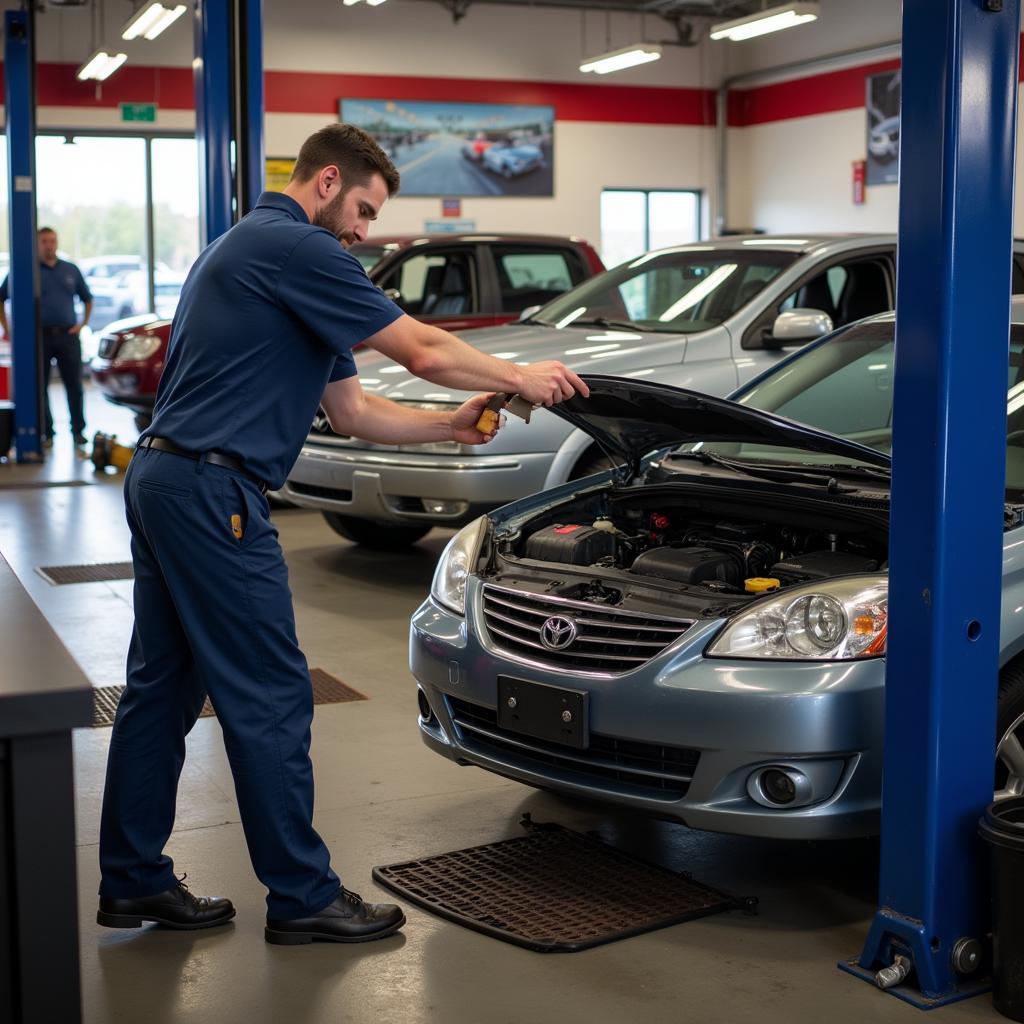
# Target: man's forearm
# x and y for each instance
(382, 421)
(88, 313)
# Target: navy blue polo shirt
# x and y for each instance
(267, 317)
(58, 286)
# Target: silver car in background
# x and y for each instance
(709, 317)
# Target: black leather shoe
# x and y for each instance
(347, 919)
(175, 908)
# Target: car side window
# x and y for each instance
(434, 284)
(531, 277)
(845, 292)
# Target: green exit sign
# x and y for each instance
(138, 112)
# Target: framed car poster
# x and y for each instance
(883, 108)
(462, 149)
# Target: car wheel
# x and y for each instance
(376, 536)
(142, 421)
(592, 461)
(1010, 732)
(507, 173)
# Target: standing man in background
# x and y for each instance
(59, 282)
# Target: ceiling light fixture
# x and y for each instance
(101, 65)
(619, 60)
(774, 19)
(369, 3)
(151, 19)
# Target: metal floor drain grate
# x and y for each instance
(326, 690)
(96, 572)
(553, 891)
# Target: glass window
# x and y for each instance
(175, 219)
(681, 291)
(368, 255)
(531, 278)
(438, 284)
(635, 221)
(845, 292)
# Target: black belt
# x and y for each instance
(57, 330)
(215, 458)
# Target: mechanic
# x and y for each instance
(263, 332)
(59, 282)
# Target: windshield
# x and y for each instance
(844, 387)
(676, 291)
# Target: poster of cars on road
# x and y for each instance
(462, 149)
(883, 106)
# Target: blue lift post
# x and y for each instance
(20, 103)
(228, 81)
(949, 429)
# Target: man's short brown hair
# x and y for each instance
(353, 151)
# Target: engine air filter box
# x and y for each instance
(571, 543)
(820, 565)
(689, 565)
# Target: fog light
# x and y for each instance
(780, 786)
(426, 711)
(442, 507)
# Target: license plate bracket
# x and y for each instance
(545, 712)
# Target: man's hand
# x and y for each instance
(549, 383)
(464, 421)
(75, 329)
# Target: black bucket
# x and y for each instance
(1002, 827)
(6, 427)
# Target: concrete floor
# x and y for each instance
(383, 797)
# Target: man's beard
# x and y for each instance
(331, 217)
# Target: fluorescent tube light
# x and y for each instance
(151, 19)
(774, 19)
(101, 65)
(618, 60)
(369, 3)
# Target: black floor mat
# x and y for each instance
(327, 689)
(553, 891)
(95, 572)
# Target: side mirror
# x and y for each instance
(528, 312)
(797, 327)
(393, 294)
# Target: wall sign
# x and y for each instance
(462, 149)
(278, 171)
(883, 109)
(145, 112)
(449, 227)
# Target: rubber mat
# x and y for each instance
(554, 890)
(327, 689)
(97, 572)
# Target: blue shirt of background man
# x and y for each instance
(58, 286)
(268, 316)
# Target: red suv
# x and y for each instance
(457, 282)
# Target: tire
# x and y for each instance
(375, 536)
(1009, 780)
(142, 420)
(591, 461)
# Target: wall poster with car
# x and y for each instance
(883, 106)
(462, 149)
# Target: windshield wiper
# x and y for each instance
(781, 474)
(603, 321)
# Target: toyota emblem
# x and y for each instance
(557, 633)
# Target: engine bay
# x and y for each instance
(720, 553)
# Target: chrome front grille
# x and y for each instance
(604, 640)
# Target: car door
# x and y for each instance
(531, 275)
(440, 285)
(846, 288)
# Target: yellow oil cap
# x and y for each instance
(761, 585)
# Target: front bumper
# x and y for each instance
(128, 384)
(408, 487)
(730, 716)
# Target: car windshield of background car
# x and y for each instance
(679, 291)
(368, 255)
(845, 386)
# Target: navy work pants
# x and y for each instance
(66, 350)
(213, 615)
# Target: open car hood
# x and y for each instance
(631, 418)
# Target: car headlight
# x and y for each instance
(834, 620)
(138, 346)
(457, 562)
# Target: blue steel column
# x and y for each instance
(212, 77)
(250, 112)
(19, 92)
(949, 431)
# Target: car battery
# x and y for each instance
(570, 543)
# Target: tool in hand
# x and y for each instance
(488, 421)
